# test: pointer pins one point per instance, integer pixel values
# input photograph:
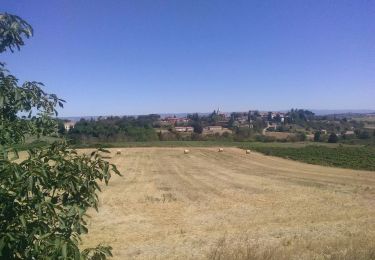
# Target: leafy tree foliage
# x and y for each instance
(317, 136)
(44, 197)
(114, 129)
(198, 129)
(277, 118)
(12, 29)
(243, 133)
(194, 117)
(333, 138)
(299, 116)
(362, 134)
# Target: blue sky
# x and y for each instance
(138, 57)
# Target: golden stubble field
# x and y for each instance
(230, 205)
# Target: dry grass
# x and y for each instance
(354, 246)
(280, 135)
(232, 205)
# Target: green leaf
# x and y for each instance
(23, 221)
(64, 250)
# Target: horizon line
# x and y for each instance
(354, 111)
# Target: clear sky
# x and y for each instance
(137, 57)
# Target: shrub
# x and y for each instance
(364, 135)
(317, 136)
(332, 138)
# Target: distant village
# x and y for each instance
(224, 121)
(239, 119)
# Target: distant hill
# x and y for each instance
(77, 118)
(322, 112)
(319, 112)
(163, 115)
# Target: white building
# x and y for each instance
(184, 129)
(68, 125)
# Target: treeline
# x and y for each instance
(147, 128)
(114, 129)
(359, 136)
(301, 125)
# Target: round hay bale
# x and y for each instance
(247, 151)
(221, 150)
(118, 152)
(186, 151)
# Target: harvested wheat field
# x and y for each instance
(232, 205)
